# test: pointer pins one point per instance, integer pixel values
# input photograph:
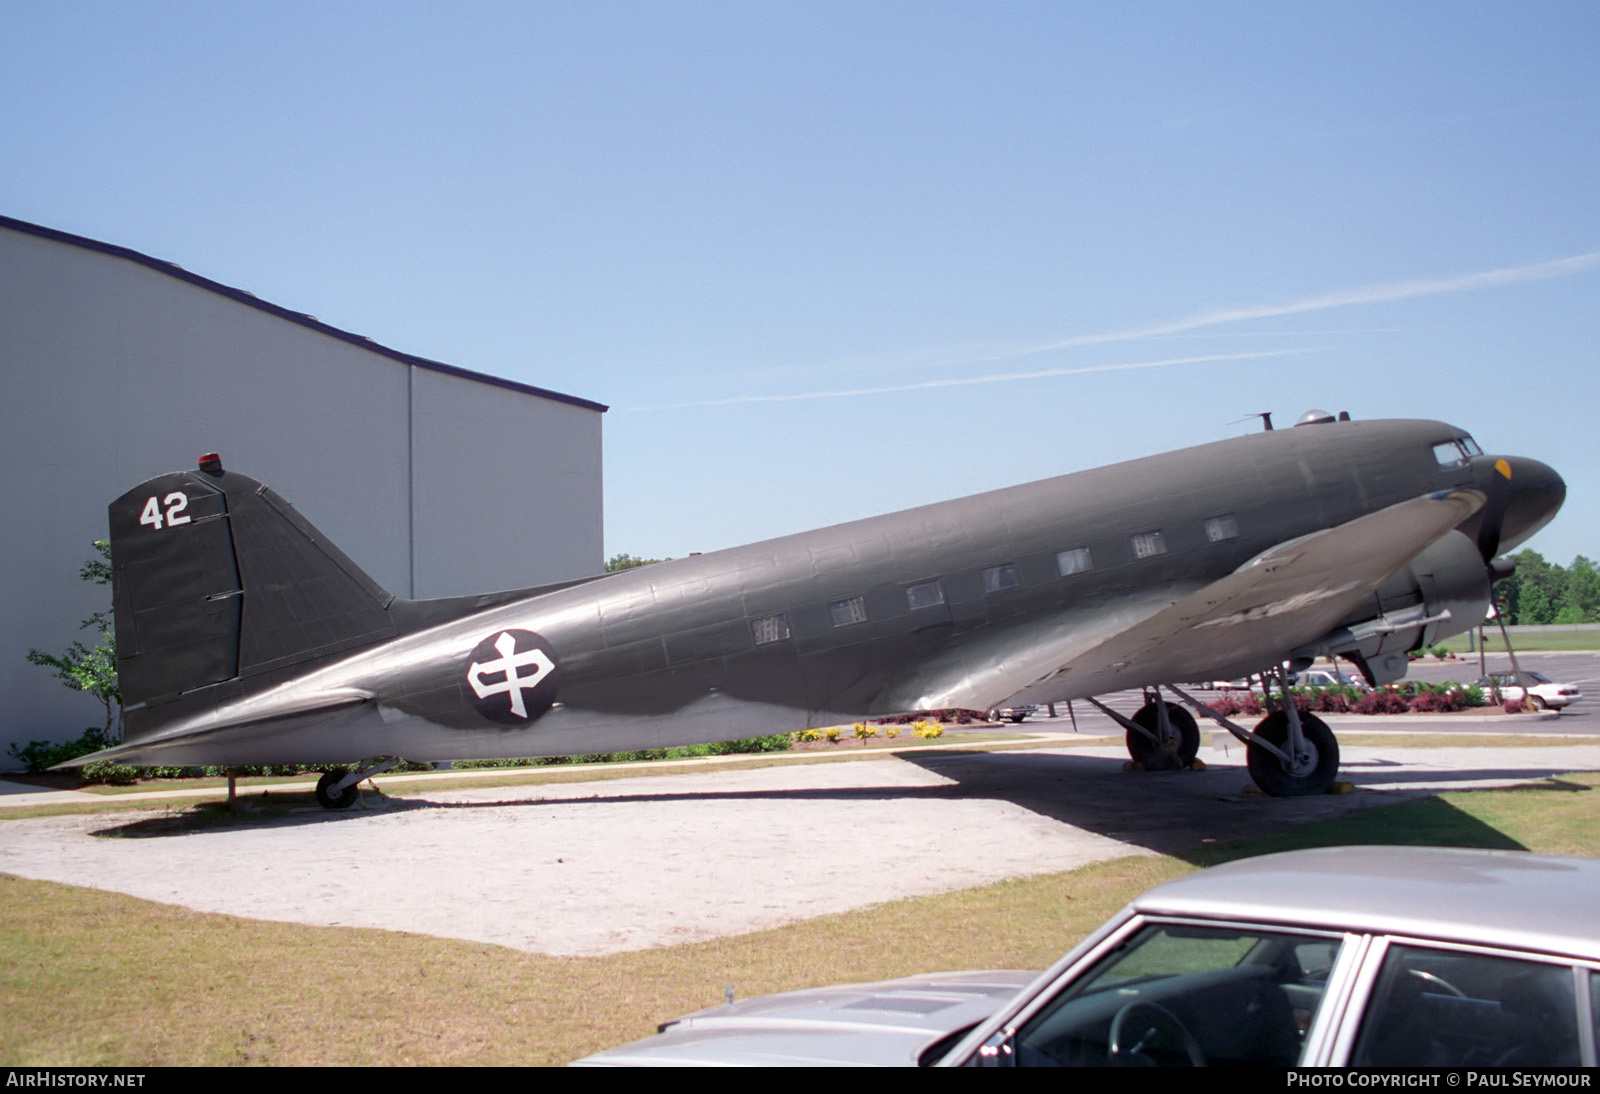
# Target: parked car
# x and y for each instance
(1362, 956)
(1014, 714)
(1336, 678)
(1543, 692)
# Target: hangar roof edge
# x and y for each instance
(172, 269)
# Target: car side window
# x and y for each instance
(1184, 995)
(1447, 1008)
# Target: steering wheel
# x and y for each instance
(1139, 1024)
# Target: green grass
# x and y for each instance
(94, 978)
(1524, 640)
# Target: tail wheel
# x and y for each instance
(328, 799)
(1310, 772)
(1169, 755)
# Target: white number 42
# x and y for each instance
(176, 502)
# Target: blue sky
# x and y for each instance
(831, 259)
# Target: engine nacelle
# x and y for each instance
(1441, 592)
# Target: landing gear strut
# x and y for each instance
(1307, 769)
(1162, 736)
(1170, 741)
(1289, 754)
(340, 788)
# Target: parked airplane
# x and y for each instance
(245, 637)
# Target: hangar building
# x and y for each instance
(437, 481)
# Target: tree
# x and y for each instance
(628, 562)
(92, 668)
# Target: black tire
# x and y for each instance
(325, 796)
(1538, 703)
(1170, 757)
(1312, 775)
(1018, 717)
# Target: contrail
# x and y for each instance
(1370, 294)
(1386, 292)
(990, 378)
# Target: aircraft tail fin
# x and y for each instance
(217, 579)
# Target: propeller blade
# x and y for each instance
(1498, 493)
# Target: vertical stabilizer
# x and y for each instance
(216, 578)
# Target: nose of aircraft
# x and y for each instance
(1536, 494)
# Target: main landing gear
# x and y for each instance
(1289, 753)
(1286, 769)
(341, 787)
(1161, 736)
(1170, 741)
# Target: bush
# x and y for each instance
(37, 756)
(1381, 701)
(104, 771)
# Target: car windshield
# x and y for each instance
(1185, 995)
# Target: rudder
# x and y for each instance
(216, 578)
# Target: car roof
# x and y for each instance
(1511, 899)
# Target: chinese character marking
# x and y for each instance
(508, 668)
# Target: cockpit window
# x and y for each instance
(1454, 453)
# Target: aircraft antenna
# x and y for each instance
(1264, 415)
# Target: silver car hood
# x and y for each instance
(888, 1024)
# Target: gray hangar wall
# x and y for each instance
(435, 480)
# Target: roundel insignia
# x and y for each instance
(512, 676)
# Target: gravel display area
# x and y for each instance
(604, 866)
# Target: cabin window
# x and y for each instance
(1149, 544)
(1221, 528)
(845, 612)
(924, 594)
(769, 628)
(996, 578)
(1074, 560)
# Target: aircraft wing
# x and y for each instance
(1289, 595)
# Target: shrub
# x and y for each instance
(1381, 701)
(104, 771)
(775, 742)
(864, 731)
(1333, 700)
(36, 756)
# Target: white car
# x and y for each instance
(1543, 692)
(1360, 956)
(1323, 678)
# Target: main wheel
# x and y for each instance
(1311, 772)
(328, 799)
(1168, 756)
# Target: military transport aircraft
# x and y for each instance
(245, 637)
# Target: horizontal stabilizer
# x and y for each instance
(258, 713)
